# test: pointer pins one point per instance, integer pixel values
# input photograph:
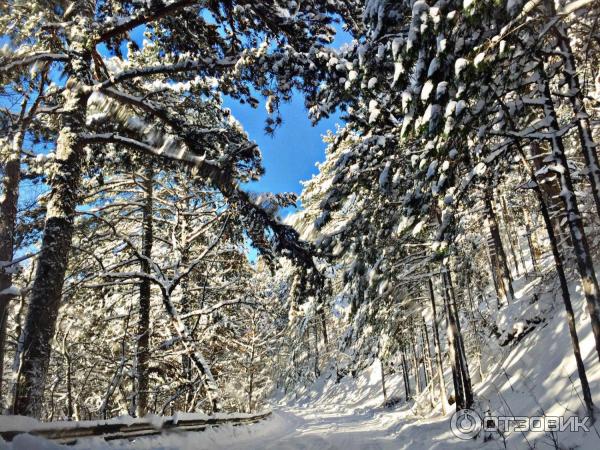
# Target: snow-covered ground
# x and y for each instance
(536, 377)
(313, 427)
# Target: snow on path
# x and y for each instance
(318, 428)
(314, 429)
(293, 428)
(297, 428)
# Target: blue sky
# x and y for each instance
(290, 155)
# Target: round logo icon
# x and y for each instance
(466, 424)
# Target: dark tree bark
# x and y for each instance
(52, 261)
(406, 377)
(143, 330)
(418, 387)
(324, 326)
(497, 253)
(460, 372)
(316, 336)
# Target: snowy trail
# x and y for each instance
(313, 428)
(330, 427)
(318, 428)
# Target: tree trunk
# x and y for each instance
(497, 253)
(564, 286)
(405, 377)
(324, 327)
(574, 221)
(529, 232)
(464, 366)
(251, 367)
(69, 387)
(383, 389)
(52, 261)
(250, 389)
(415, 359)
(186, 362)
(460, 372)
(316, 336)
(8, 217)
(474, 324)
(429, 362)
(551, 190)
(575, 95)
(143, 330)
(493, 274)
(512, 235)
(550, 229)
(424, 353)
(438, 351)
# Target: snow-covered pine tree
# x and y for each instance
(224, 42)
